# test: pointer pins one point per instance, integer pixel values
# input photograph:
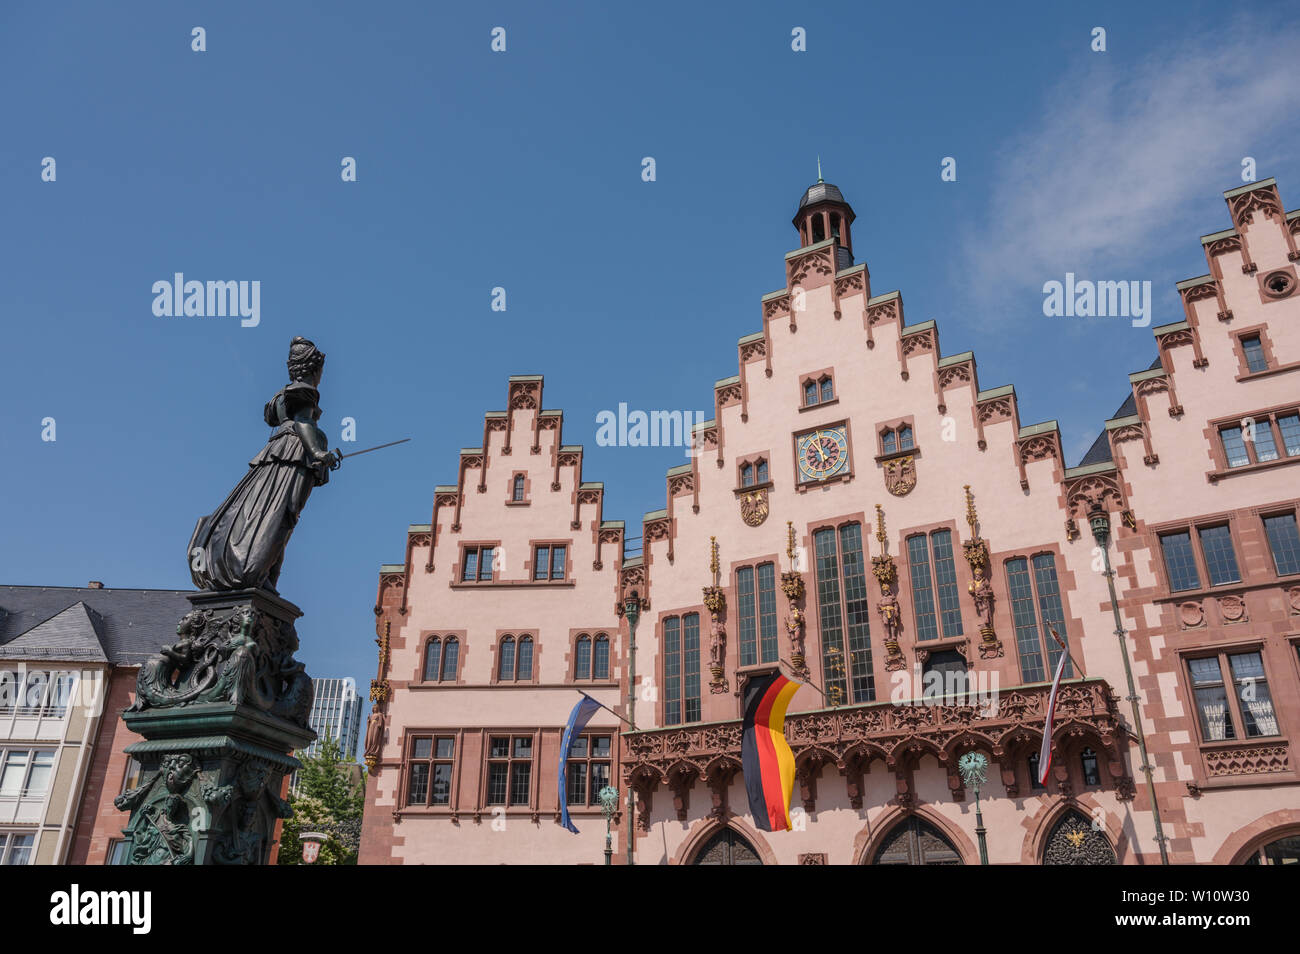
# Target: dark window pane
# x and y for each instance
(1211, 699)
(828, 390)
(1034, 772)
(577, 783)
(521, 774)
(767, 612)
(506, 662)
(1090, 774)
(421, 748)
(1254, 351)
(762, 471)
(888, 442)
(810, 393)
(450, 655)
(601, 670)
(1284, 541)
(446, 748)
(519, 487)
(582, 658)
(431, 658)
(524, 669)
(1265, 446)
(746, 475)
(745, 609)
(578, 748)
(557, 562)
(691, 667)
(471, 565)
(1234, 447)
(486, 556)
(1289, 425)
(496, 790)
(600, 747)
(831, 620)
(1216, 544)
(1252, 692)
(863, 681)
(417, 792)
(1179, 561)
(441, 783)
(904, 438)
(541, 563)
(918, 558)
(1028, 643)
(1051, 615)
(599, 779)
(523, 747)
(500, 747)
(945, 577)
(672, 671)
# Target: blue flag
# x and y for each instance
(578, 719)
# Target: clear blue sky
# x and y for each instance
(522, 169)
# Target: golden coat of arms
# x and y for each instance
(900, 475)
(753, 507)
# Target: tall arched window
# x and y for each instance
(515, 659)
(450, 656)
(432, 658)
(518, 494)
(601, 668)
(506, 660)
(524, 659)
(582, 658)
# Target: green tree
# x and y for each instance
(329, 799)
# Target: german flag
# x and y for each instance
(766, 756)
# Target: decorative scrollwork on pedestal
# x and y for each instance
(239, 653)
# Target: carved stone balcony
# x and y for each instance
(850, 738)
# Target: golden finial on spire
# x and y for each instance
(972, 518)
(880, 524)
(789, 541)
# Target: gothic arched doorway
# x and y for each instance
(1074, 841)
(727, 847)
(1284, 851)
(916, 842)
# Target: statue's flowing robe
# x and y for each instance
(241, 543)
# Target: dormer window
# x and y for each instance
(754, 472)
(818, 390)
(894, 439)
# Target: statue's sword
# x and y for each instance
(339, 455)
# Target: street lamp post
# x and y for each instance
(974, 772)
(1099, 521)
(609, 805)
(632, 610)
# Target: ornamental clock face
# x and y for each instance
(823, 453)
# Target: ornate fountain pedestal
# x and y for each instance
(221, 711)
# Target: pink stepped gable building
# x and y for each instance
(865, 511)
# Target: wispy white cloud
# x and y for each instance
(1128, 147)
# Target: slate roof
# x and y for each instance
(821, 192)
(1099, 452)
(120, 626)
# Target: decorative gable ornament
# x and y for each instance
(754, 507)
(900, 475)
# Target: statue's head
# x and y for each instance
(305, 361)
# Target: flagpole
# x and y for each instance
(603, 706)
(803, 680)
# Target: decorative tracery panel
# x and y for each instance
(1074, 841)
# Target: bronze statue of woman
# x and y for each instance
(241, 544)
